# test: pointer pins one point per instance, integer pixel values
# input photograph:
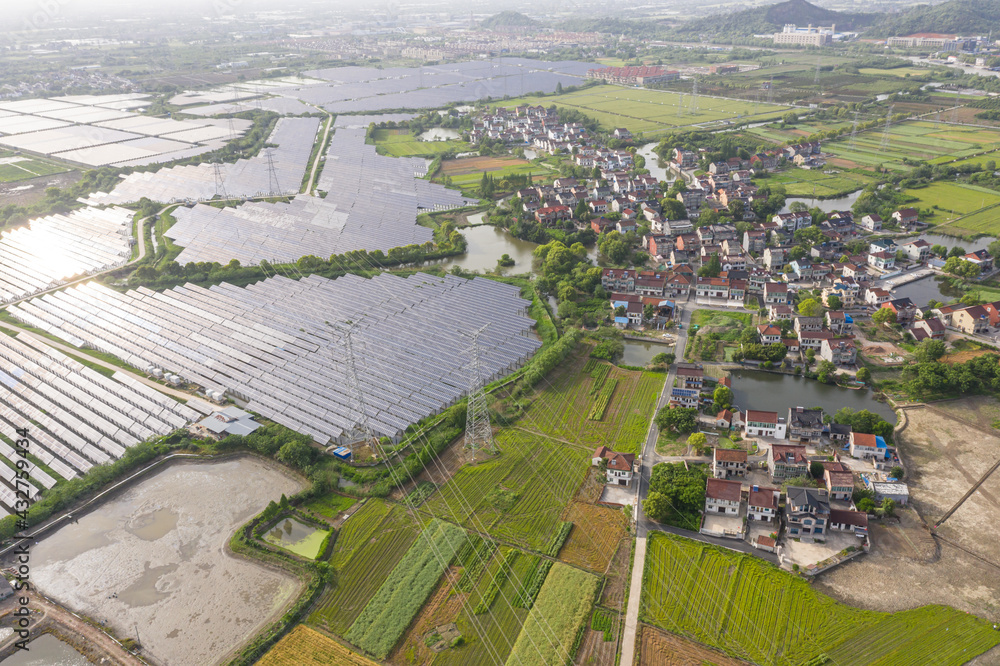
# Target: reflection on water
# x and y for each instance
(776, 393)
(924, 290)
(439, 134)
(641, 354)
(290, 531)
(486, 244)
(653, 163)
(825, 205)
(951, 241)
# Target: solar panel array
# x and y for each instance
(77, 417)
(276, 343)
(50, 250)
(243, 178)
(100, 130)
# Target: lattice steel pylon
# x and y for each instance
(819, 61)
(884, 145)
(680, 106)
(770, 91)
(854, 132)
(478, 430)
(694, 96)
(220, 181)
(356, 395)
(272, 175)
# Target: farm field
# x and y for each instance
(562, 408)
(809, 182)
(307, 647)
(550, 629)
(467, 172)
(330, 505)
(368, 547)
(489, 637)
(660, 648)
(723, 599)
(594, 539)
(538, 476)
(952, 200)
(400, 143)
(650, 111)
(922, 140)
(15, 167)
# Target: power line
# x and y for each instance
(478, 431)
(272, 175)
(884, 145)
(854, 132)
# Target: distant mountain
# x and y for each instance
(958, 17)
(509, 19)
(764, 20)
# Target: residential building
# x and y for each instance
(839, 351)
(763, 503)
(620, 280)
(758, 423)
(806, 512)
(980, 258)
(905, 310)
(686, 159)
(754, 241)
(846, 289)
(680, 397)
(868, 447)
(712, 288)
(896, 491)
(906, 218)
(814, 339)
(779, 312)
(729, 463)
(729, 419)
(918, 250)
(552, 214)
(839, 481)
(932, 328)
(792, 222)
(775, 258)
(840, 432)
(722, 496)
(876, 297)
(842, 520)
(971, 320)
(805, 425)
(871, 223)
(808, 324)
(787, 462)
(775, 292)
(690, 376)
(620, 466)
(884, 261)
(839, 322)
(769, 334)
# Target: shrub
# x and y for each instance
(558, 539)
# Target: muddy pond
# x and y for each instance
(46, 650)
(154, 559)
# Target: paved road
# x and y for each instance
(319, 153)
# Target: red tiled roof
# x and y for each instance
(721, 489)
(621, 461)
(843, 517)
(763, 497)
(863, 439)
(762, 417)
(779, 452)
(730, 455)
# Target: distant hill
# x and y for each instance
(959, 17)
(509, 19)
(764, 20)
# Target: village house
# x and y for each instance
(763, 504)
(729, 463)
(768, 334)
(839, 351)
(805, 425)
(806, 512)
(779, 312)
(729, 419)
(690, 375)
(680, 397)
(814, 339)
(906, 218)
(775, 292)
(712, 288)
(932, 328)
(980, 258)
(865, 446)
(871, 223)
(620, 466)
(839, 322)
(918, 250)
(686, 159)
(971, 320)
(884, 261)
(905, 310)
(552, 214)
(846, 289)
(807, 324)
(842, 520)
(787, 462)
(876, 296)
(839, 480)
(722, 496)
(840, 432)
(775, 257)
(896, 491)
(792, 222)
(758, 423)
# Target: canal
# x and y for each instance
(768, 391)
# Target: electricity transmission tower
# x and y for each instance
(854, 131)
(680, 106)
(694, 96)
(958, 103)
(884, 145)
(819, 61)
(220, 181)
(272, 175)
(770, 91)
(478, 431)
(355, 393)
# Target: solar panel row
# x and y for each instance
(274, 343)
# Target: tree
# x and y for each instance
(826, 372)
(866, 505)
(810, 307)
(816, 469)
(888, 506)
(672, 209)
(712, 268)
(956, 251)
(798, 207)
(657, 507)
(834, 302)
(649, 311)
(722, 398)
(930, 350)
(884, 317)
(736, 208)
(620, 311)
(896, 472)
(663, 358)
(961, 268)
(296, 453)
(677, 419)
(697, 441)
(864, 375)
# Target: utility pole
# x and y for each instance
(272, 176)
(354, 387)
(694, 97)
(220, 182)
(884, 145)
(478, 430)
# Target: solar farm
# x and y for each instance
(102, 130)
(372, 204)
(244, 178)
(50, 250)
(80, 417)
(274, 344)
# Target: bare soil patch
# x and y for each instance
(963, 356)
(596, 651)
(945, 450)
(658, 648)
(613, 595)
(26, 192)
(442, 607)
(467, 165)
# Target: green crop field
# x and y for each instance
(490, 636)
(330, 505)
(541, 473)
(400, 143)
(14, 167)
(369, 546)
(810, 182)
(753, 611)
(958, 200)
(649, 111)
(397, 601)
(561, 409)
(547, 637)
(921, 140)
